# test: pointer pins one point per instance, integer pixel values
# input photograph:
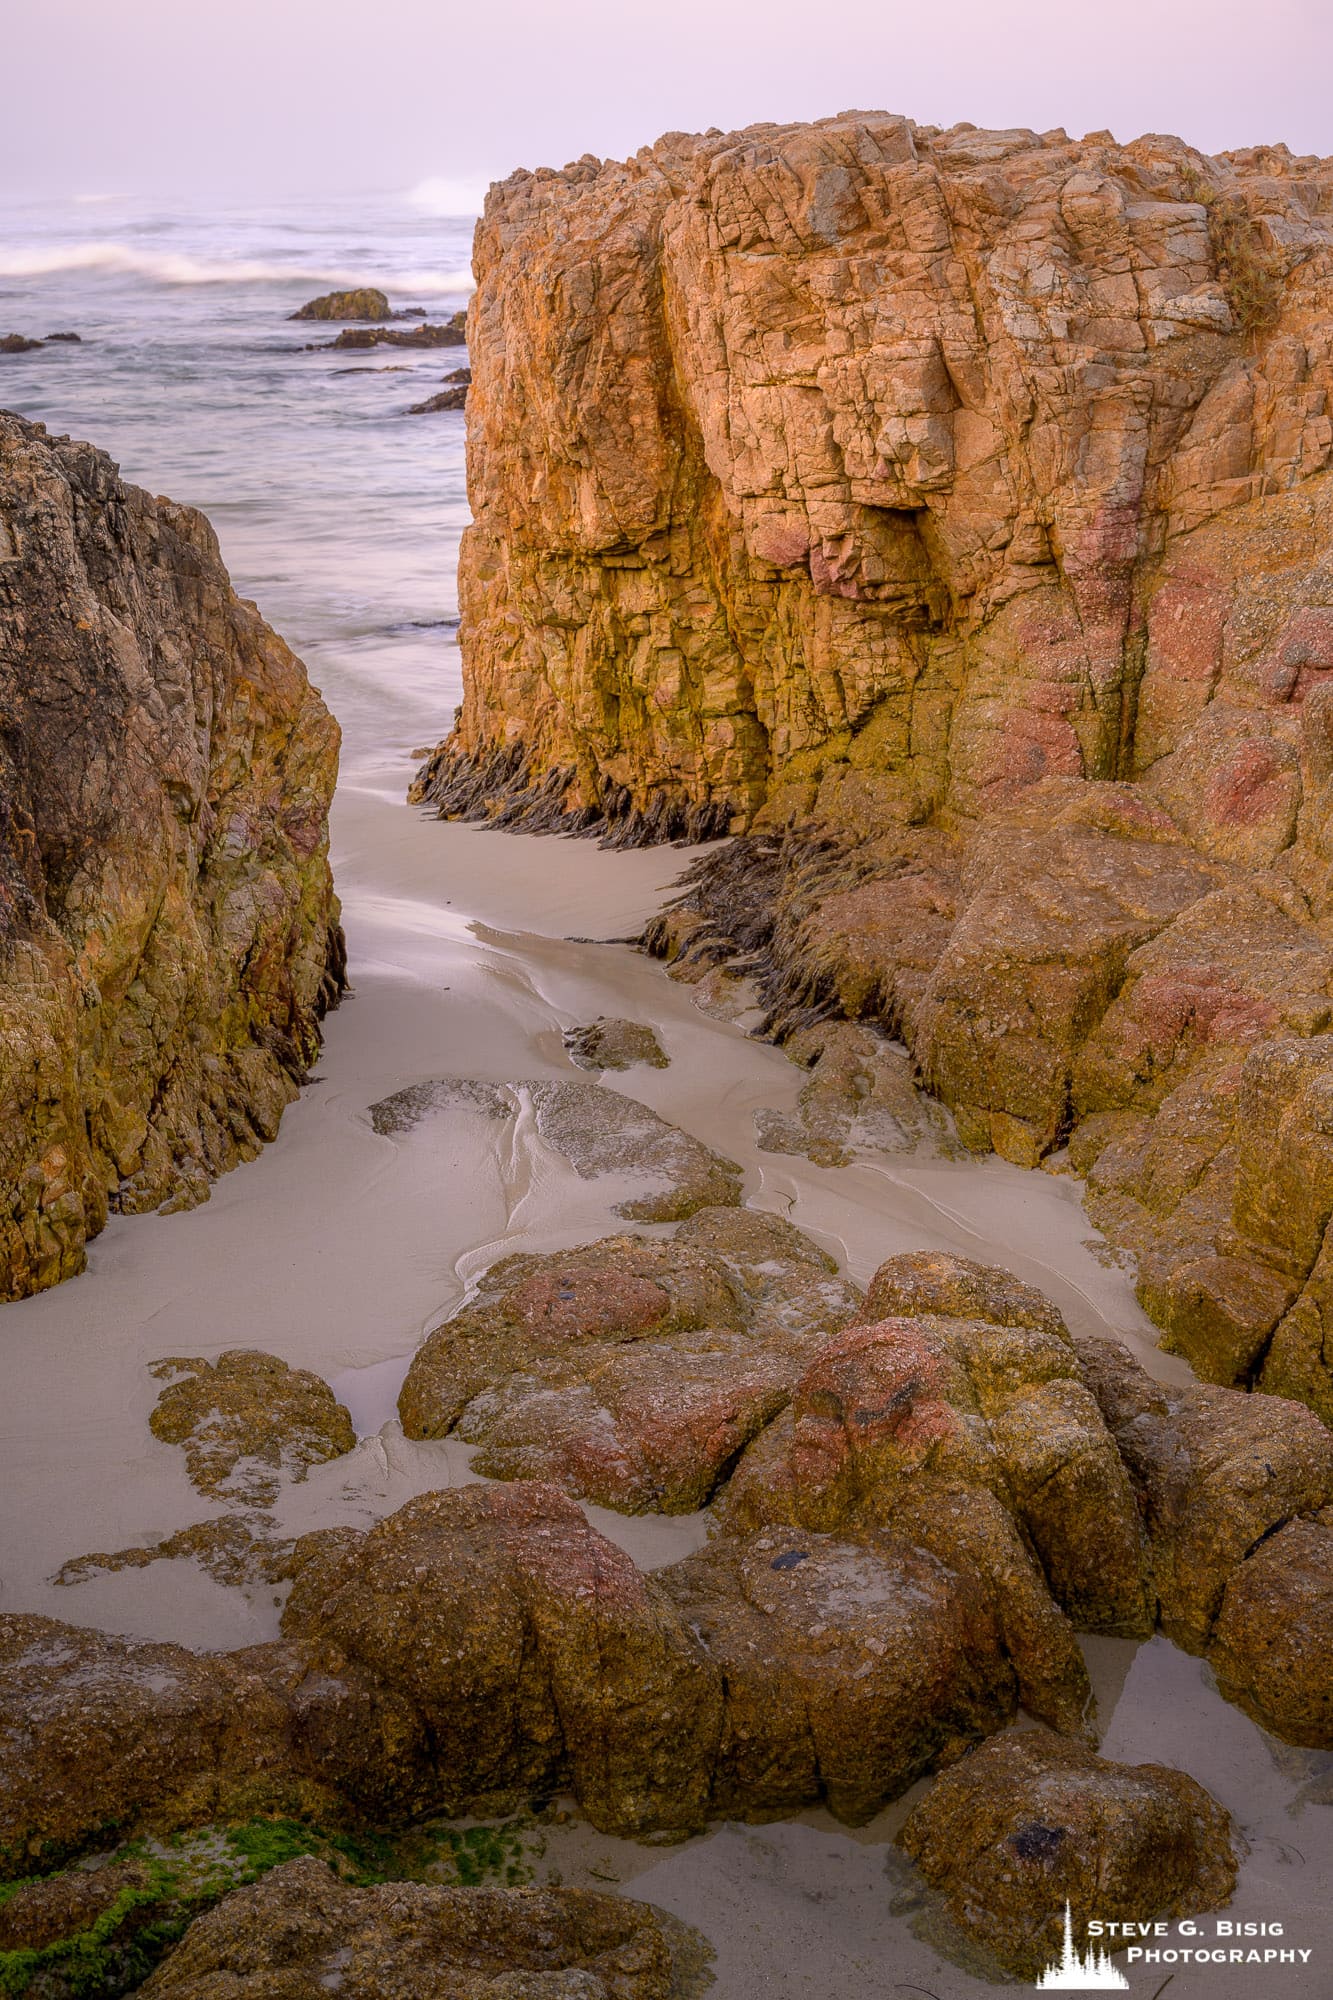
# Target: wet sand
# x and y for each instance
(341, 1246)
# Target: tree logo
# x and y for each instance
(1093, 1973)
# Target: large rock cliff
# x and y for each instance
(168, 930)
(952, 514)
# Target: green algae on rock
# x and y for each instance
(98, 1929)
(169, 935)
(301, 1928)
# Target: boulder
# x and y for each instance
(484, 1647)
(849, 1667)
(513, 1650)
(979, 1437)
(629, 1371)
(18, 343)
(1272, 1640)
(364, 302)
(98, 1731)
(1029, 1823)
(1217, 1472)
(633, 1371)
(301, 1933)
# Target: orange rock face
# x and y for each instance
(914, 465)
(952, 513)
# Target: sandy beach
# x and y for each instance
(472, 954)
(341, 1246)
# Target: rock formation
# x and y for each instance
(632, 1373)
(483, 1647)
(168, 931)
(449, 333)
(951, 513)
(925, 1508)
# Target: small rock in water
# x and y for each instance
(18, 343)
(76, 338)
(364, 302)
(447, 399)
(452, 333)
(615, 1044)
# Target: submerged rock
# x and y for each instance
(301, 1933)
(615, 1044)
(597, 1131)
(862, 1096)
(1029, 1822)
(237, 1550)
(600, 1132)
(451, 333)
(247, 1422)
(443, 399)
(364, 302)
(168, 931)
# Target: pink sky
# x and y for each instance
(275, 97)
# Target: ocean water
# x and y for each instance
(338, 512)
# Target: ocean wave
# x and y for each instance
(165, 267)
(438, 195)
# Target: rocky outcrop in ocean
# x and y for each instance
(951, 515)
(169, 935)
